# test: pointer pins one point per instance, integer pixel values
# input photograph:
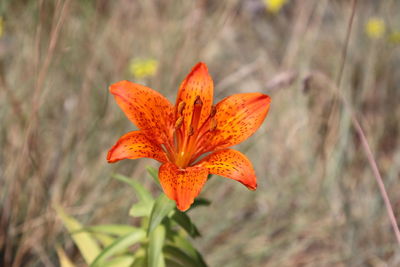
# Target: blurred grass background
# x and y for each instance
(317, 203)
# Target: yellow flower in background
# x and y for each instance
(1, 26)
(375, 28)
(274, 6)
(394, 37)
(143, 68)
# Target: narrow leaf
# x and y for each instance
(85, 242)
(121, 261)
(111, 229)
(182, 219)
(180, 256)
(119, 245)
(140, 257)
(185, 246)
(200, 202)
(104, 239)
(173, 263)
(162, 207)
(143, 194)
(139, 261)
(156, 242)
(63, 258)
(154, 174)
(141, 209)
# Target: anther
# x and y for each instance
(213, 111)
(198, 101)
(181, 106)
(213, 125)
(179, 122)
(191, 131)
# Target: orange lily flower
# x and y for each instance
(177, 136)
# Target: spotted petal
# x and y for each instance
(182, 185)
(237, 117)
(147, 109)
(135, 145)
(197, 84)
(231, 164)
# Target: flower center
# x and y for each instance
(187, 137)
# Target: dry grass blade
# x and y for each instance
(361, 133)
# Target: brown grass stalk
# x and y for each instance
(360, 131)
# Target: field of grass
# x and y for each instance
(317, 202)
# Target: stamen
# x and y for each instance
(179, 122)
(213, 125)
(198, 101)
(181, 106)
(197, 106)
(191, 131)
(209, 125)
(213, 111)
(188, 136)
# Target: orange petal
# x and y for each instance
(146, 108)
(135, 145)
(237, 118)
(231, 164)
(182, 185)
(197, 84)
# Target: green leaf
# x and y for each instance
(119, 245)
(140, 257)
(143, 194)
(85, 242)
(104, 239)
(185, 246)
(200, 202)
(141, 209)
(182, 219)
(154, 174)
(173, 263)
(111, 229)
(121, 261)
(156, 243)
(178, 255)
(162, 207)
(63, 258)
(139, 261)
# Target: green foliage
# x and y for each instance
(183, 220)
(119, 245)
(178, 256)
(162, 207)
(154, 174)
(142, 194)
(161, 240)
(156, 243)
(85, 241)
(63, 258)
(200, 202)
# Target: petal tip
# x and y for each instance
(116, 86)
(264, 102)
(200, 67)
(252, 187)
(267, 98)
(251, 184)
(264, 98)
(201, 64)
(109, 156)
